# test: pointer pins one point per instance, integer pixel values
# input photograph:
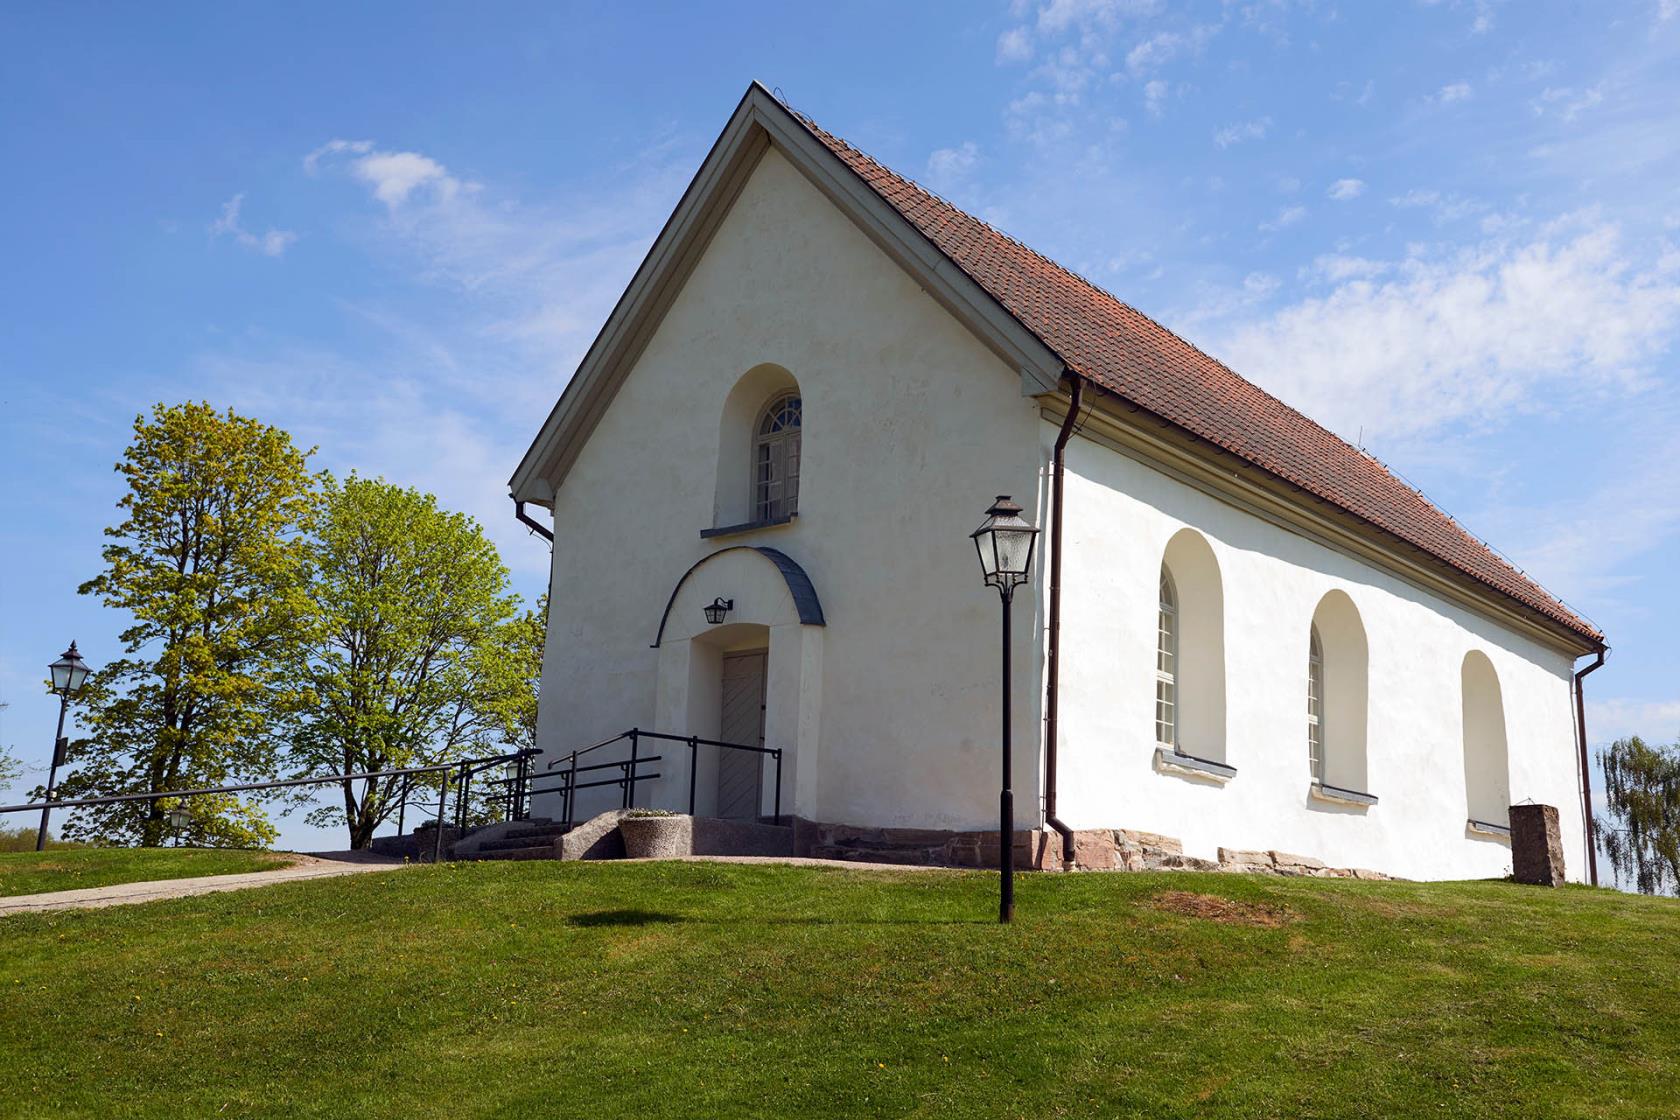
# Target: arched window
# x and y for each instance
(1166, 663)
(1190, 651)
(1315, 706)
(776, 459)
(1487, 775)
(1338, 688)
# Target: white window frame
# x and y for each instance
(776, 456)
(1315, 706)
(1166, 663)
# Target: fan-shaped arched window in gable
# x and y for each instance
(776, 459)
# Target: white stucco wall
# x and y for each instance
(1121, 515)
(910, 427)
(889, 712)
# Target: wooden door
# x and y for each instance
(741, 773)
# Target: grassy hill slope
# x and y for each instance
(70, 869)
(654, 990)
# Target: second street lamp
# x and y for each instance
(69, 673)
(1005, 542)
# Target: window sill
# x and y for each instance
(1170, 761)
(746, 527)
(1338, 796)
(1488, 829)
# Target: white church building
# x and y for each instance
(1239, 630)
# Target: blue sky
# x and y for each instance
(1449, 230)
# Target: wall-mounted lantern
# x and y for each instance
(717, 608)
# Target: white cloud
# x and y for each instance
(1667, 10)
(949, 166)
(1655, 721)
(393, 177)
(1155, 97)
(1237, 133)
(1568, 103)
(1337, 267)
(396, 175)
(312, 161)
(1014, 45)
(1415, 197)
(1058, 16)
(1468, 334)
(1344, 189)
(1286, 217)
(1444, 207)
(1163, 47)
(1454, 91)
(1344, 92)
(270, 243)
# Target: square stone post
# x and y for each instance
(1536, 845)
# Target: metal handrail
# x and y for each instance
(517, 796)
(630, 776)
(443, 768)
(462, 769)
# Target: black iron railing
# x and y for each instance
(516, 799)
(566, 770)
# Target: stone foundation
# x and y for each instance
(1095, 849)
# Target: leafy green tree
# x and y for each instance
(10, 768)
(512, 703)
(415, 659)
(1641, 836)
(210, 562)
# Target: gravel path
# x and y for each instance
(326, 866)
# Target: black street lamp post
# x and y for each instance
(1005, 544)
(69, 673)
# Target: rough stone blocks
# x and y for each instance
(1536, 845)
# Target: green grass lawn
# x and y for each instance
(653, 990)
(68, 869)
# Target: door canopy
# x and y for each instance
(762, 586)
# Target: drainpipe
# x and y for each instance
(1052, 692)
(526, 519)
(1586, 772)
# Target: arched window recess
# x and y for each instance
(1337, 697)
(1190, 662)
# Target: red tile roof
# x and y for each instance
(1123, 351)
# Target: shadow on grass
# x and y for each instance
(624, 918)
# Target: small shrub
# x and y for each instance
(21, 838)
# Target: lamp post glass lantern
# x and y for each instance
(180, 819)
(69, 673)
(717, 608)
(1005, 543)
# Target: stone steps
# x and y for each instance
(533, 839)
